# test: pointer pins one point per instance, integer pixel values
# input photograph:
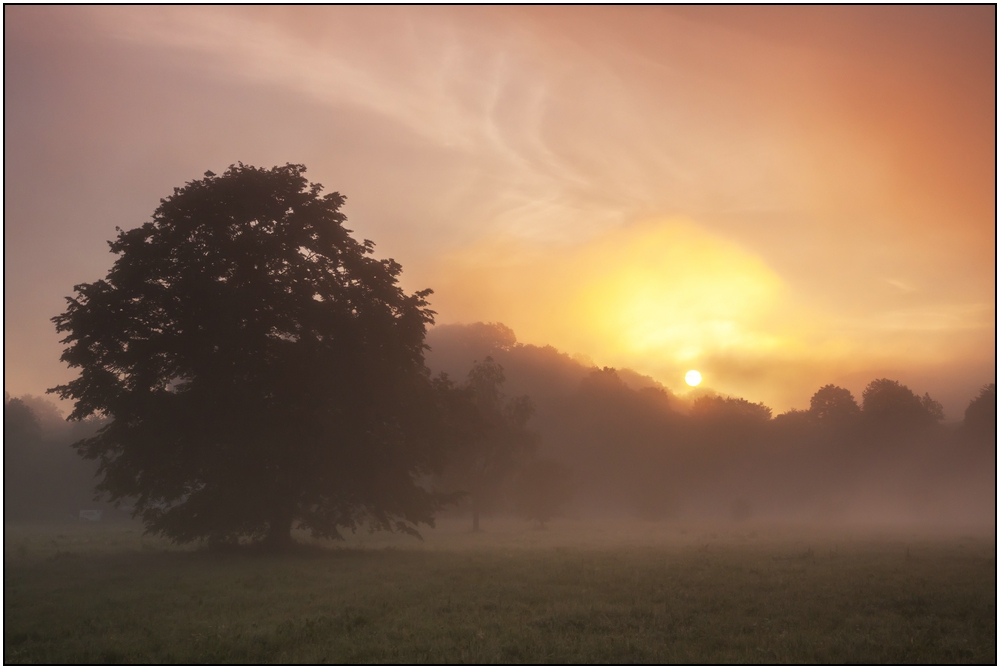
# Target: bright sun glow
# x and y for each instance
(668, 290)
(693, 377)
(659, 296)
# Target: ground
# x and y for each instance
(581, 592)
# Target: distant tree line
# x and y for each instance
(43, 478)
(635, 448)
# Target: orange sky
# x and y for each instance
(779, 197)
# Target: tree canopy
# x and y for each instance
(260, 369)
(730, 409)
(834, 406)
(889, 405)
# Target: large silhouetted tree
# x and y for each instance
(260, 369)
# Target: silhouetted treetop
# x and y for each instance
(603, 383)
(832, 405)
(492, 337)
(933, 409)
(19, 422)
(891, 404)
(794, 419)
(981, 414)
(730, 409)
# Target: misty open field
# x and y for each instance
(597, 592)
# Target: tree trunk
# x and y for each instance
(475, 519)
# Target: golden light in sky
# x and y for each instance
(789, 197)
(660, 296)
(693, 377)
(668, 291)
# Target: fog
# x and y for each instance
(500, 335)
(636, 449)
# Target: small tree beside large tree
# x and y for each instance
(500, 442)
(260, 369)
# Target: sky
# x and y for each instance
(779, 197)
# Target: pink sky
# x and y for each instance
(779, 197)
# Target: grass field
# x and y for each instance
(607, 592)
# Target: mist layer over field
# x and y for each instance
(638, 449)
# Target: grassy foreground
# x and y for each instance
(578, 593)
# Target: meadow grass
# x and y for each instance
(599, 592)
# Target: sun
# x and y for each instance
(693, 377)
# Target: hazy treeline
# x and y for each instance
(566, 436)
(632, 447)
(43, 478)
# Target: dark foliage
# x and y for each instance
(730, 410)
(260, 369)
(20, 425)
(980, 424)
(22, 437)
(889, 406)
(834, 407)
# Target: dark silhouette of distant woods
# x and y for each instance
(260, 370)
